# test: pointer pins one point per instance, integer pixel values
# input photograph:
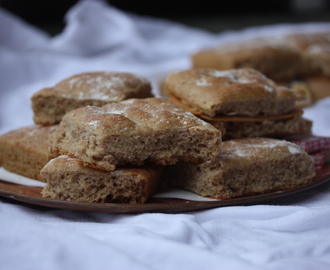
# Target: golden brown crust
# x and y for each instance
(135, 131)
(26, 150)
(68, 179)
(245, 167)
(231, 92)
(95, 88)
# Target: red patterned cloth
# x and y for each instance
(318, 159)
(313, 143)
(317, 147)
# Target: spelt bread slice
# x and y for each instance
(244, 167)
(95, 88)
(68, 179)
(244, 92)
(25, 151)
(135, 131)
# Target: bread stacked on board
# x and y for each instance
(247, 107)
(239, 102)
(106, 140)
(300, 61)
(144, 133)
(27, 150)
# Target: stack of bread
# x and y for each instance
(101, 137)
(248, 108)
(106, 139)
(27, 150)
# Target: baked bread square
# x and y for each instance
(95, 88)
(274, 57)
(231, 92)
(68, 179)
(314, 49)
(286, 59)
(245, 167)
(135, 131)
(25, 151)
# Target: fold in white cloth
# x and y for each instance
(287, 233)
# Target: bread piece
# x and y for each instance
(246, 167)
(239, 92)
(96, 88)
(25, 151)
(135, 131)
(273, 57)
(68, 179)
(281, 58)
(314, 49)
(267, 128)
(232, 92)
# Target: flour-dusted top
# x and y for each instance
(250, 148)
(246, 166)
(135, 131)
(107, 86)
(95, 88)
(136, 115)
(230, 92)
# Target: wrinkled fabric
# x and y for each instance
(287, 233)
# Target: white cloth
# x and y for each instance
(285, 234)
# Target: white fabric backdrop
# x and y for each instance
(285, 234)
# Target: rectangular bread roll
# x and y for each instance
(93, 88)
(25, 151)
(68, 179)
(135, 131)
(231, 92)
(246, 167)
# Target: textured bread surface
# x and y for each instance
(267, 128)
(280, 58)
(135, 131)
(245, 167)
(96, 89)
(25, 151)
(231, 92)
(68, 179)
